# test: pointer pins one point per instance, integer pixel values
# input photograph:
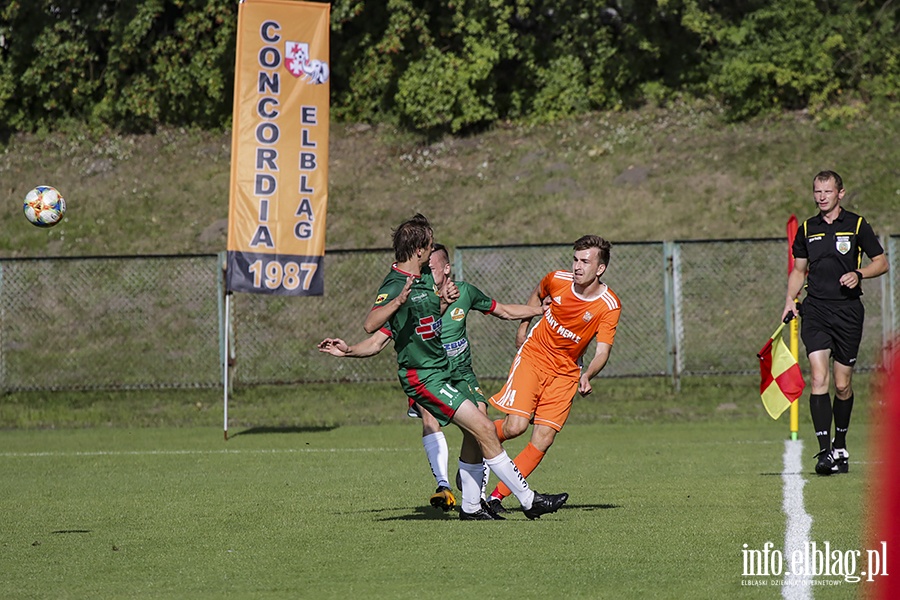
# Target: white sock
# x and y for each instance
(507, 472)
(470, 476)
(485, 480)
(436, 449)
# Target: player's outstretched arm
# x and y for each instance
(370, 346)
(516, 312)
(380, 315)
(534, 300)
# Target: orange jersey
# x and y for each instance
(562, 335)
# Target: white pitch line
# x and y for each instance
(799, 522)
(195, 452)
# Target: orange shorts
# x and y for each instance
(542, 397)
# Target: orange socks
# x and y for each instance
(527, 461)
(498, 424)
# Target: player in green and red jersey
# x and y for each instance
(454, 337)
(411, 304)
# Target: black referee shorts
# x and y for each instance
(835, 326)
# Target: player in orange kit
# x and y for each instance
(546, 372)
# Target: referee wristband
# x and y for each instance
(858, 277)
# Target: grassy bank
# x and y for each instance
(678, 173)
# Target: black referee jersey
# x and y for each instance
(832, 250)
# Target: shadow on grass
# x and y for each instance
(286, 429)
(589, 506)
(72, 531)
(423, 513)
(420, 513)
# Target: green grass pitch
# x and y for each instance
(657, 510)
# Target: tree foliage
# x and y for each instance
(798, 54)
(452, 65)
(132, 64)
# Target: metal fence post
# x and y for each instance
(895, 264)
(887, 319)
(672, 312)
(458, 274)
(2, 321)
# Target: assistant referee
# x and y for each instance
(827, 253)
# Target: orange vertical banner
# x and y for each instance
(279, 149)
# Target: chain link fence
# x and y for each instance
(689, 308)
(636, 273)
(106, 323)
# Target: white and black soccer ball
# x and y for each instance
(44, 206)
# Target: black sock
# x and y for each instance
(820, 409)
(842, 410)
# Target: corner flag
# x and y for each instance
(781, 381)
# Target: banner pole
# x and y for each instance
(225, 366)
(792, 227)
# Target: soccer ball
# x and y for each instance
(44, 206)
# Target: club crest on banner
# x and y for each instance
(299, 64)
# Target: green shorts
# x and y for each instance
(468, 375)
(438, 391)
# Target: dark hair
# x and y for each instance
(411, 235)
(826, 175)
(441, 248)
(595, 241)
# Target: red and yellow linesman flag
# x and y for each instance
(279, 149)
(781, 381)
